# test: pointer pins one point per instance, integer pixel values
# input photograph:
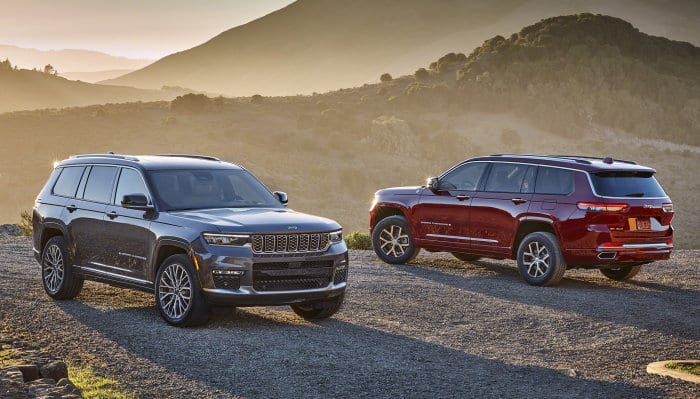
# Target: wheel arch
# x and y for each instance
(166, 248)
(385, 209)
(531, 225)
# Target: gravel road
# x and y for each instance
(435, 328)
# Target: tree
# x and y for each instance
(385, 77)
(48, 69)
(421, 74)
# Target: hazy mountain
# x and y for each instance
(24, 89)
(577, 84)
(68, 60)
(95, 76)
(318, 45)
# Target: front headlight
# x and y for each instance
(226, 239)
(336, 236)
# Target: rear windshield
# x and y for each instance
(627, 184)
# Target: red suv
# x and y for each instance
(549, 213)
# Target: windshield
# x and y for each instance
(206, 189)
(627, 184)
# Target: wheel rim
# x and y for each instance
(393, 241)
(53, 268)
(536, 258)
(175, 291)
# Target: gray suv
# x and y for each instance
(193, 230)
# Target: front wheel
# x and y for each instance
(56, 272)
(392, 240)
(320, 309)
(178, 297)
(621, 273)
(540, 261)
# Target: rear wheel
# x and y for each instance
(56, 272)
(392, 240)
(540, 261)
(466, 257)
(178, 297)
(621, 273)
(320, 309)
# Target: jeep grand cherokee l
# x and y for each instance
(193, 230)
(549, 213)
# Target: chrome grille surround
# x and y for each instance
(292, 243)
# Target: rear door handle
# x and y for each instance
(518, 201)
(112, 214)
(462, 197)
(71, 208)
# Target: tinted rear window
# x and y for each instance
(554, 181)
(627, 184)
(99, 183)
(67, 182)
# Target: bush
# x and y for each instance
(358, 240)
(385, 78)
(191, 103)
(421, 74)
(256, 99)
(25, 224)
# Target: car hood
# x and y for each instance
(257, 220)
(412, 190)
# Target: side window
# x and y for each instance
(99, 184)
(506, 178)
(68, 181)
(130, 182)
(464, 177)
(554, 181)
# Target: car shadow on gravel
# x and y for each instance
(264, 353)
(645, 305)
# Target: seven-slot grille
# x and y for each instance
(289, 243)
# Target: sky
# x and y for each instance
(131, 28)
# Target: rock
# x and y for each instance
(30, 372)
(54, 370)
(10, 230)
(68, 385)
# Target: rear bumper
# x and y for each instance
(626, 253)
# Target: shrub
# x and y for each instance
(191, 103)
(256, 99)
(358, 240)
(421, 74)
(385, 78)
(25, 223)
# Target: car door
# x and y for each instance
(496, 209)
(442, 214)
(128, 230)
(86, 214)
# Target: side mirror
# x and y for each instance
(281, 197)
(136, 201)
(433, 183)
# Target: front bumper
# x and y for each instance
(242, 261)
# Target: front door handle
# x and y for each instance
(71, 208)
(462, 197)
(518, 201)
(112, 214)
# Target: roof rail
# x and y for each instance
(206, 157)
(108, 155)
(570, 159)
(596, 158)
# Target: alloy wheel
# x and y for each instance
(175, 291)
(53, 268)
(536, 258)
(393, 241)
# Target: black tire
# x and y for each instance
(621, 273)
(393, 242)
(56, 270)
(319, 309)
(466, 257)
(175, 282)
(540, 261)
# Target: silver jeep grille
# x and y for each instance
(290, 243)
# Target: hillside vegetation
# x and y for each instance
(23, 89)
(319, 45)
(332, 151)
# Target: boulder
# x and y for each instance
(54, 370)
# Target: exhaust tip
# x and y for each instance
(607, 255)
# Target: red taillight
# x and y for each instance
(667, 207)
(612, 244)
(596, 207)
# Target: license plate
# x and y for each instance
(643, 224)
